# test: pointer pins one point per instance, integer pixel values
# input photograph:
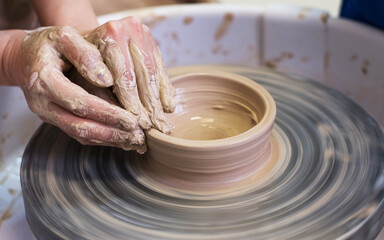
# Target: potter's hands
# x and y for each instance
(140, 80)
(57, 100)
(121, 54)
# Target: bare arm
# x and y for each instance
(9, 59)
(76, 13)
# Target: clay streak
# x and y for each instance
(222, 30)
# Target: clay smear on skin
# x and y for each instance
(222, 30)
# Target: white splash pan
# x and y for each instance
(342, 54)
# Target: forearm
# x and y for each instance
(10, 60)
(76, 13)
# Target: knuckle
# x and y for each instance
(65, 29)
(113, 27)
(135, 19)
(79, 110)
(76, 130)
(146, 29)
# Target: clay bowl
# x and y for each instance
(223, 123)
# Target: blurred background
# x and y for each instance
(102, 7)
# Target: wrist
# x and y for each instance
(12, 67)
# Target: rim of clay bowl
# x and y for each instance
(263, 126)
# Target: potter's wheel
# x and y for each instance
(330, 183)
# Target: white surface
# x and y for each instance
(331, 6)
(255, 36)
(304, 45)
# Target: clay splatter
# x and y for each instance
(221, 31)
(364, 68)
(324, 17)
(353, 57)
(7, 214)
(301, 16)
(12, 191)
(5, 116)
(187, 20)
(219, 50)
(5, 137)
(175, 37)
(272, 63)
(304, 59)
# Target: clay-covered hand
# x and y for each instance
(45, 55)
(140, 79)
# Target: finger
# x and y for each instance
(119, 62)
(145, 69)
(94, 133)
(75, 99)
(166, 90)
(83, 55)
(84, 130)
(138, 148)
(103, 93)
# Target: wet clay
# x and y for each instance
(222, 133)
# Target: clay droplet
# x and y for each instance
(187, 20)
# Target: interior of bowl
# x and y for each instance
(217, 106)
(213, 107)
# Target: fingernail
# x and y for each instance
(163, 125)
(170, 105)
(128, 121)
(144, 121)
(141, 149)
(102, 76)
(137, 137)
